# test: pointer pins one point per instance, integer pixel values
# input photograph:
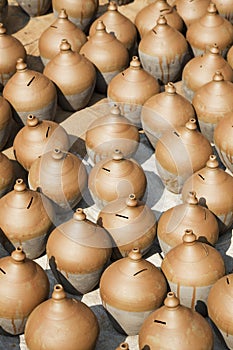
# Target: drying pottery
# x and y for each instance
(74, 75)
(212, 102)
(78, 251)
(105, 133)
(140, 86)
(130, 289)
(7, 175)
(50, 40)
(3, 11)
(174, 326)
(26, 218)
(24, 285)
(130, 223)
(165, 111)
(30, 92)
(216, 28)
(35, 7)
(174, 221)
(123, 346)
(230, 57)
(225, 9)
(190, 11)
(179, 153)
(213, 187)
(5, 121)
(61, 176)
(10, 50)
(205, 262)
(116, 177)
(107, 53)
(36, 138)
(163, 52)
(61, 320)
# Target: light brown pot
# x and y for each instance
(190, 11)
(5, 121)
(225, 9)
(230, 57)
(7, 174)
(35, 7)
(123, 346)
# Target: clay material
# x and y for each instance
(5, 121)
(7, 174)
(35, 7)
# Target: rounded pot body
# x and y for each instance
(190, 11)
(7, 174)
(35, 7)
(5, 121)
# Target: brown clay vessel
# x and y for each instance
(191, 10)
(230, 57)
(35, 7)
(225, 9)
(7, 174)
(123, 346)
(5, 121)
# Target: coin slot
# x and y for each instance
(122, 216)
(30, 203)
(4, 272)
(154, 31)
(53, 26)
(228, 282)
(161, 322)
(108, 170)
(136, 273)
(202, 177)
(29, 83)
(176, 133)
(47, 132)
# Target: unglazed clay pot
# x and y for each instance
(5, 121)
(105, 133)
(74, 75)
(191, 268)
(213, 187)
(212, 102)
(220, 307)
(26, 218)
(3, 11)
(61, 320)
(78, 251)
(201, 69)
(174, 326)
(123, 346)
(179, 153)
(174, 221)
(140, 86)
(10, 50)
(191, 10)
(225, 9)
(130, 223)
(107, 53)
(223, 136)
(30, 92)
(230, 57)
(61, 176)
(7, 174)
(80, 12)
(165, 111)
(216, 28)
(130, 289)
(163, 52)
(50, 40)
(35, 7)
(24, 285)
(116, 177)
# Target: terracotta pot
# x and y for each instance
(190, 11)
(123, 346)
(3, 11)
(105, 133)
(35, 7)
(173, 326)
(130, 223)
(230, 57)
(130, 289)
(24, 285)
(141, 85)
(30, 92)
(7, 174)
(107, 53)
(163, 52)
(5, 121)
(205, 262)
(216, 28)
(10, 50)
(212, 102)
(201, 69)
(60, 316)
(116, 177)
(212, 186)
(78, 251)
(165, 111)
(225, 9)
(50, 40)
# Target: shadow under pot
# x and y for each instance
(5, 122)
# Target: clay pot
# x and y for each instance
(190, 11)
(201, 69)
(230, 57)
(223, 136)
(146, 18)
(10, 50)
(179, 153)
(216, 28)
(130, 289)
(116, 177)
(36, 7)
(174, 221)
(219, 307)
(123, 346)
(163, 52)
(80, 12)
(72, 321)
(36, 138)
(7, 175)
(5, 121)
(24, 285)
(107, 53)
(174, 326)
(105, 133)
(30, 92)
(205, 263)
(74, 76)
(212, 102)
(141, 86)
(3, 11)
(212, 186)
(130, 223)
(225, 9)
(165, 111)
(50, 40)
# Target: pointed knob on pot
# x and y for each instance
(170, 88)
(117, 155)
(214, 49)
(192, 198)
(58, 293)
(189, 237)
(212, 163)
(135, 63)
(18, 255)
(115, 110)
(79, 215)
(100, 27)
(57, 154)
(112, 6)
(2, 29)
(123, 346)
(32, 121)
(65, 46)
(21, 66)
(162, 20)
(218, 76)
(171, 302)
(212, 9)
(132, 201)
(191, 124)
(135, 255)
(62, 14)
(20, 185)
